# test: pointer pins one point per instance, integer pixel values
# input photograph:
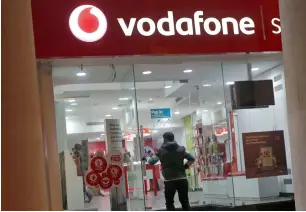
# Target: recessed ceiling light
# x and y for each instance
(254, 69)
(71, 100)
(68, 110)
(98, 138)
(168, 86)
(219, 103)
(81, 74)
(108, 115)
(155, 131)
(123, 99)
(74, 104)
(205, 110)
(187, 71)
(147, 72)
(177, 113)
(102, 134)
(115, 108)
(206, 85)
(150, 99)
(230, 83)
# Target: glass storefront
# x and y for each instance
(187, 95)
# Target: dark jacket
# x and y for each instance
(171, 156)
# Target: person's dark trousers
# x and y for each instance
(181, 186)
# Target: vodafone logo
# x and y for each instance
(88, 23)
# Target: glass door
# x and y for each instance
(88, 100)
(187, 99)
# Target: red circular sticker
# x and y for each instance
(93, 178)
(116, 182)
(106, 182)
(98, 164)
(114, 172)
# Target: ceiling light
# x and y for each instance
(177, 113)
(98, 138)
(147, 72)
(108, 115)
(115, 108)
(206, 85)
(254, 69)
(71, 100)
(123, 99)
(102, 134)
(230, 83)
(155, 131)
(68, 110)
(168, 86)
(187, 71)
(73, 104)
(150, 99)
(81, 74)
(205, 110)
(219, 103)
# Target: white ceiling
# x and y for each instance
(99, 91)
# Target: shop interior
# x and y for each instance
(196, 91)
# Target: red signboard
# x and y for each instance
(76, 28)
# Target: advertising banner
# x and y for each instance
(113, 135)
(113, 177)
(90, 28)
(160, 113)
(264, 154)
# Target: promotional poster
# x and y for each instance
(264, 154)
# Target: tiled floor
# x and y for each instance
(158, 202)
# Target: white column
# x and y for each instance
(74, 183)
(61, 125)
(293, 16)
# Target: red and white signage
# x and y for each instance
(98, 164)
(106, 182)
(149, 27)
(106, 171)
(114, 172)
(93, 178)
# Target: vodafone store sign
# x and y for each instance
(151, 27)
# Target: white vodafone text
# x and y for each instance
(188, 26)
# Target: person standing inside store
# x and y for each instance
(172, 156)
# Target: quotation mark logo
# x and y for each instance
(88, 23)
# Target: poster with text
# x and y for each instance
(264, 154)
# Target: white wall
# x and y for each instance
(266, 119)
(74, 185)
(179, 135)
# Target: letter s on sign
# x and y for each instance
(276, 23)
